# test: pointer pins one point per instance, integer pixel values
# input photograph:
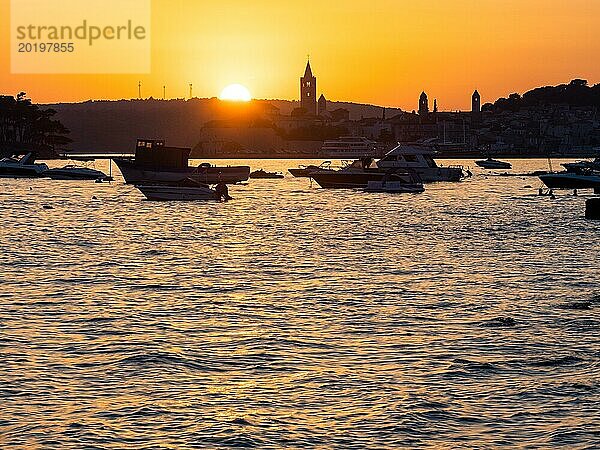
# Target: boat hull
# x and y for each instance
(394, 187)
(176, 193)
(21, 172)
(570, 181)
(138, 174)
(494, 165)
(339, 179)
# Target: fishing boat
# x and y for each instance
(304, 171)
(156, 163)
(260, 173)
(24, 167)
(490, 163)
(184, 190)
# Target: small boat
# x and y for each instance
(185, 190)
(25, 167)
(260, 173)
(493, 164)
(303, 171)
(571, 180)
(73, 172)
(581, 166)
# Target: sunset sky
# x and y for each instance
(383, 52)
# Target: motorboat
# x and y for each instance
(74, 172)
(349, 147)
(490, 163)
(260, 173)
(581, 166)
(358, 174)
(419, 159)
(304, 171)
(184, 190)
(24, 167)
(571, 180)
(156, 163)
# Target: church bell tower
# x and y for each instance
(308, 91)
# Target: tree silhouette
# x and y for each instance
(26, 127)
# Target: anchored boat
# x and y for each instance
(186, 189)
(156, 163)
(572, 180)
(490, 163)
(24, 167)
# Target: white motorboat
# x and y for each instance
(490, 163)
(25, 167)
(73, 172)
(419, 159)
(185, 190)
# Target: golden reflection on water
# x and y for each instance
(297, 317)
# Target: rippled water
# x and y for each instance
(297, 317)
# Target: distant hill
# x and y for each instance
(113, 126)
(577, 93)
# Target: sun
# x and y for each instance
(235, 92)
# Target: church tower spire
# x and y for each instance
(308, 91)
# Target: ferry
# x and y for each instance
(349, 147)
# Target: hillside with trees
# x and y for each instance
(26, 127)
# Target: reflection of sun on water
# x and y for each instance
(235, 92)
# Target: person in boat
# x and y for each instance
(222, 192)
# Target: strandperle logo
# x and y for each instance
(79, 36)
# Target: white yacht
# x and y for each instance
(25, 167)
(349, 147)
(418, 158)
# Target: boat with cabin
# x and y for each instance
(419, 158)
(359, 173)
(156, 163)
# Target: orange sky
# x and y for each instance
(378, 51)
